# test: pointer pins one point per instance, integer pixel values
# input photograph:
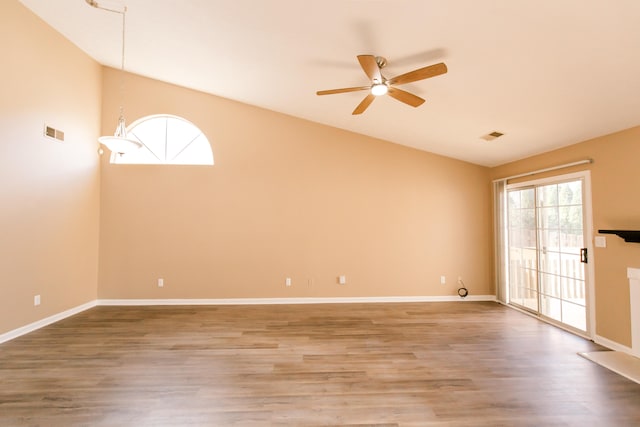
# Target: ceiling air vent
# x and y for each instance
(491, 136)
(53, 133)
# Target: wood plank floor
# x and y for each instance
(406, 364)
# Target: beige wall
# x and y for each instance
(49, 190)
(286, 198)
(615, 183)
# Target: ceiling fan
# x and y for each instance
(372, 66)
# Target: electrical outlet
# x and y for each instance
(160, 283)
(443, 280)
(342, 280)
(287, 281)
(36, 300)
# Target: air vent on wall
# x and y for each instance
(53, 133)
(491, 136)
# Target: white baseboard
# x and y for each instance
(265, 301)
(46, 321)
(230, 301)
(605, 342)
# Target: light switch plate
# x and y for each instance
(601, 241)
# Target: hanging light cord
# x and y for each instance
(122, 12)
(122, 95)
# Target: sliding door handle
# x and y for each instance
(583, 255)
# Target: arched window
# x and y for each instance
(166, 140)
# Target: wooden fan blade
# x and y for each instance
(370, 67)
(406, 97)
(364, 104)
(419, 74)
(343, 90)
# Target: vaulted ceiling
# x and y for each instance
(545, 73)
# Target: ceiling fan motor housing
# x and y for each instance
(381, 61)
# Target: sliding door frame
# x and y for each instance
(585, 176)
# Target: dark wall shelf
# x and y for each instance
(628, 235)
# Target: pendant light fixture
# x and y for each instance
(119, 142)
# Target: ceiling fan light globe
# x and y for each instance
(379, 89)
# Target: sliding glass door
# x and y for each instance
(546, 250)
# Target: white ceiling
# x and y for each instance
(546, 73)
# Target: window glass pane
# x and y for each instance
(529, 219)
(514, 217)
(527, 198)
(571, 218)
(548, 195)
(514, 200)
(515, 239)
(551, 307)
(550, 262)
(570, 193)
(530, 299)
(574, 315)
(571, 266)
(573, 290)
(550, 285)
(548, 217)
(528, 238)
(571, 241)
(529, 258)
(152, 133)
(549, 240)
(167, 139)
(179, 134)
(197, 152)
(515, 274)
